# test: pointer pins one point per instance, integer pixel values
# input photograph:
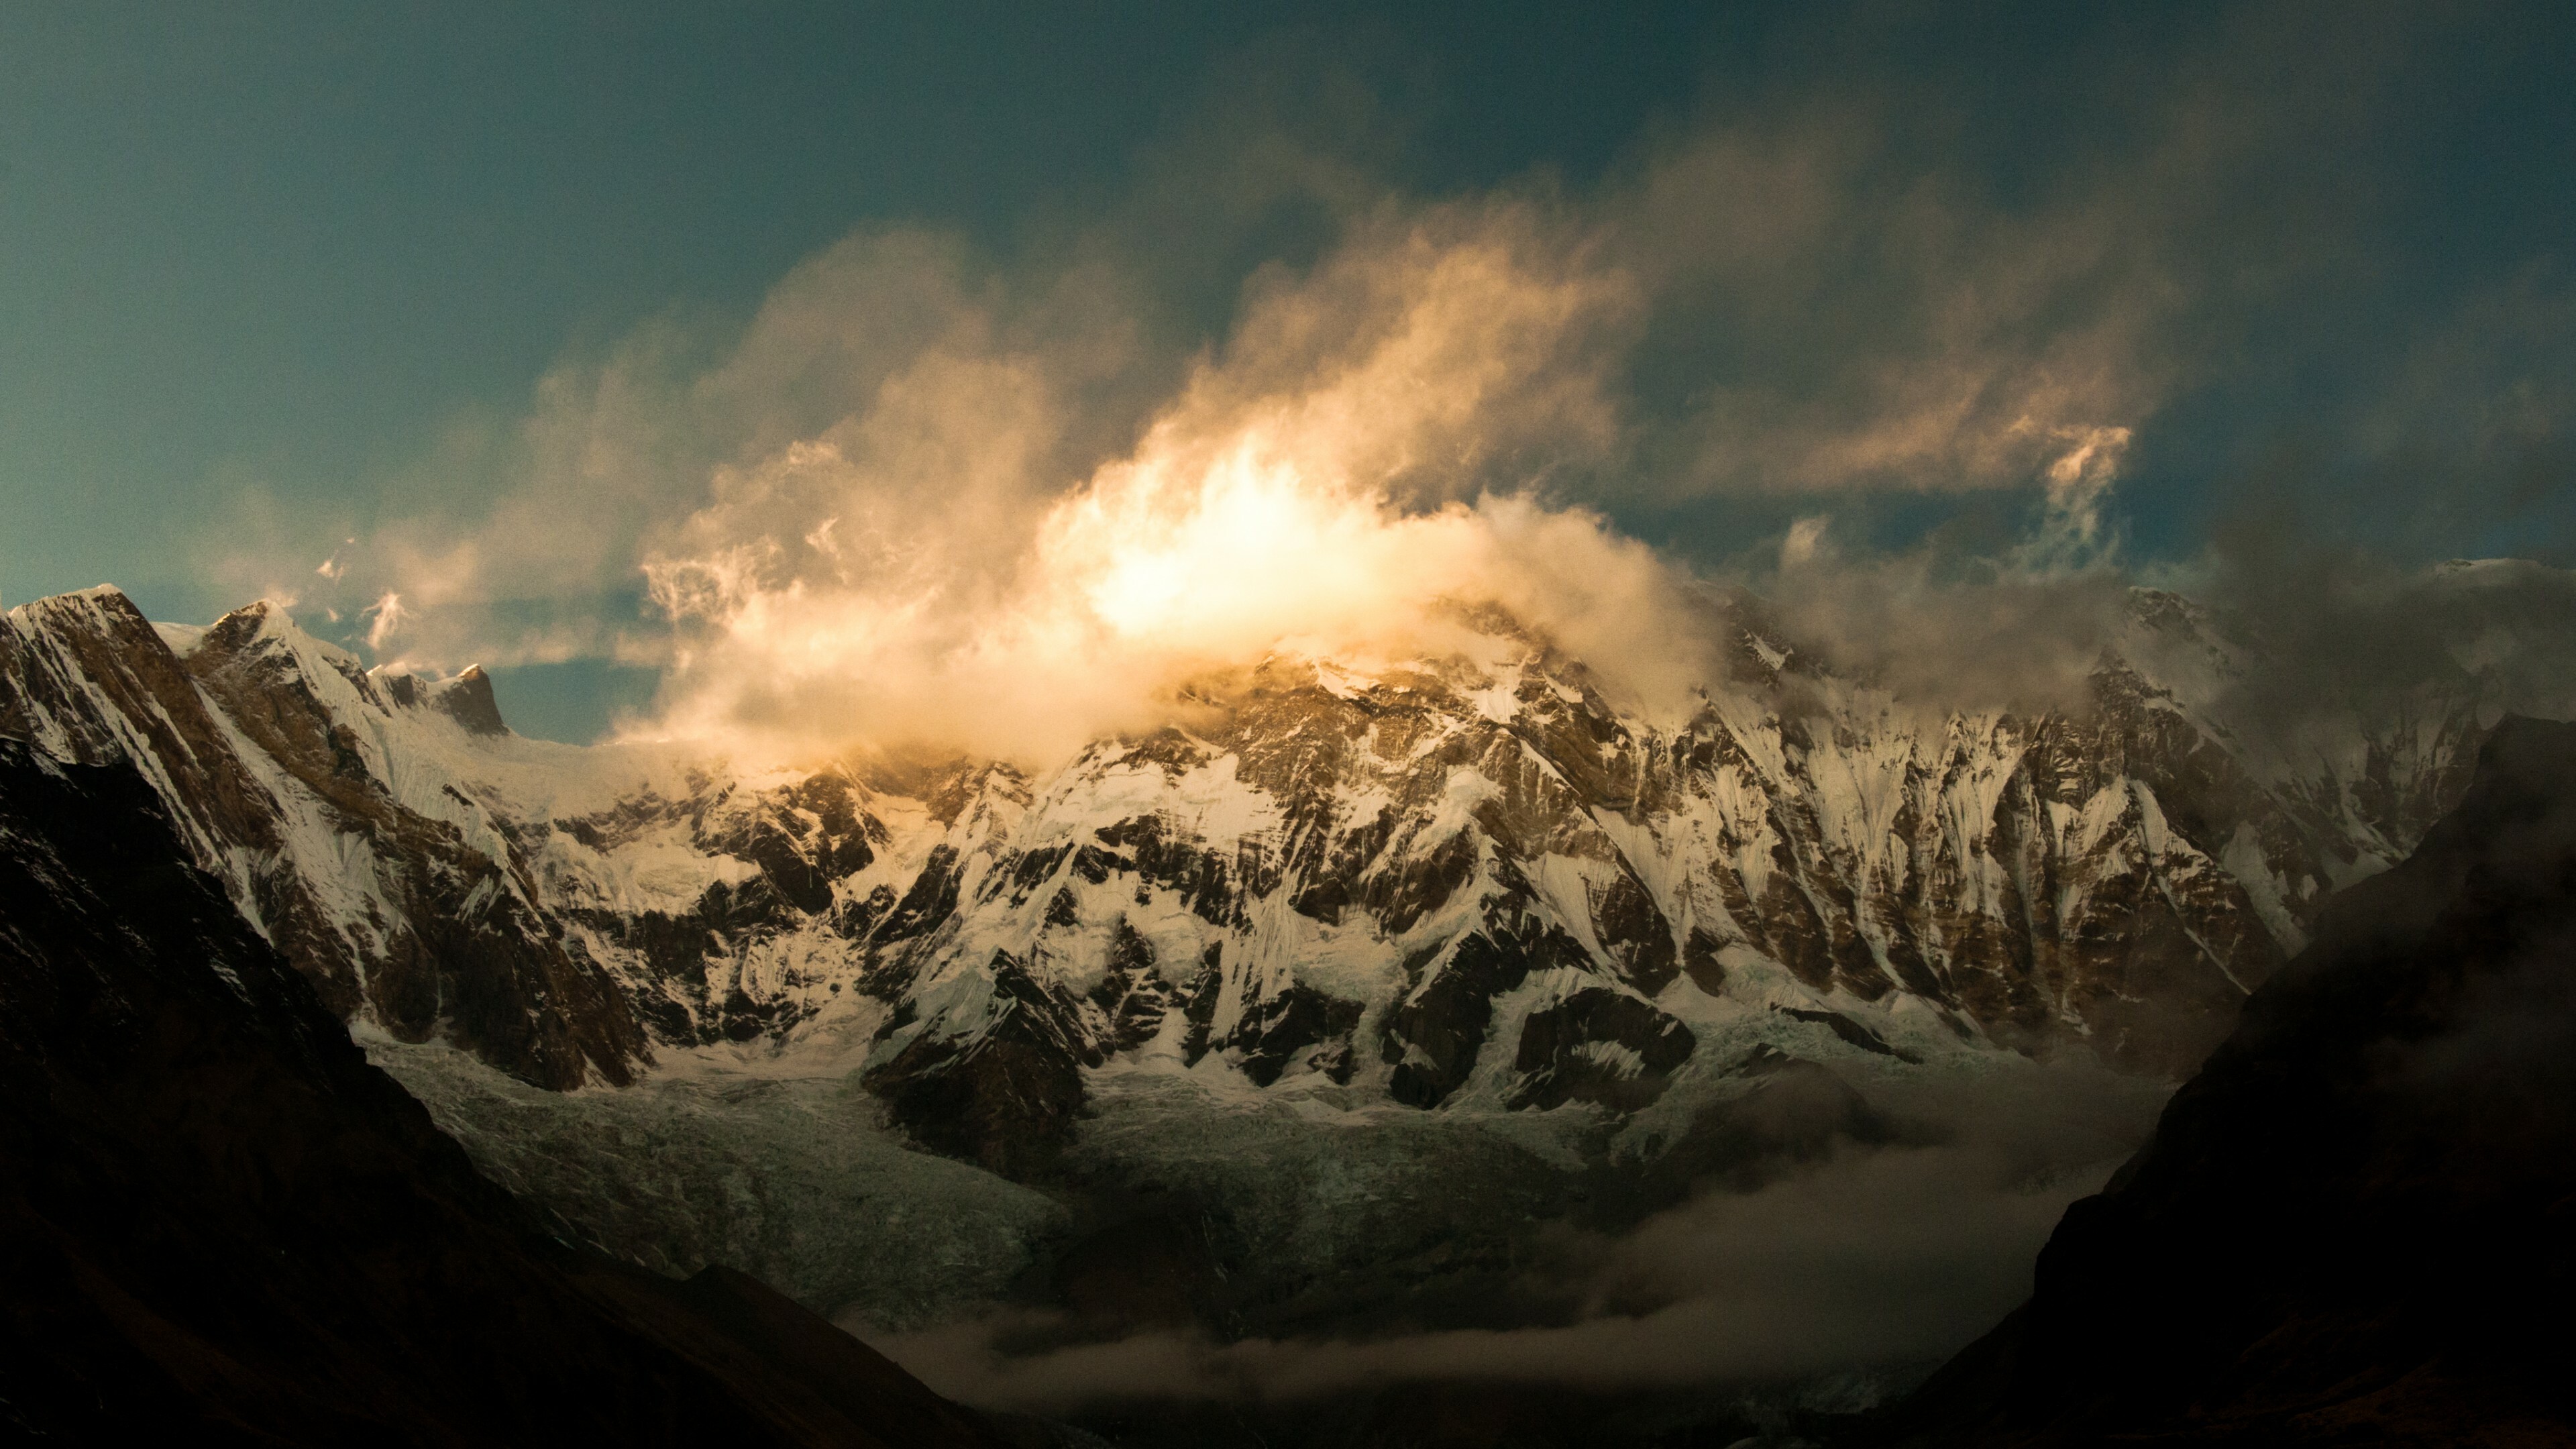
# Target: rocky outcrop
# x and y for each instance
(467, 699)
(2352, 1226)
(218, 1224)
(1003, 1095)
(1598, 1046)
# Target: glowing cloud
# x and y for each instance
(1329, 485)
(389, 615)
(1007, 504)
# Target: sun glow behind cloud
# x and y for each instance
(1339, 481)
(878, 522)
(937, 497)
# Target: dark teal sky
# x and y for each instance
(284, 247)
(286, 241)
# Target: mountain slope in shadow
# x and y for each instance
(2357, 1224)
(219, 1224)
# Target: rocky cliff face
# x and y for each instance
(219, 1225)
(273, 754)
(1464, 879)
(2352, 1226)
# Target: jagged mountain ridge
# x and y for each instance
(220, 1225)
(414, 918)
(1450, 879)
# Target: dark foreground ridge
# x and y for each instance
(2357, 1224)
(219, 1224)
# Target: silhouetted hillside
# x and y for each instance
(218, 1224)
(2357, 1224)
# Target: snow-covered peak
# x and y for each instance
(263, 638)
(99, 609)
(1467, 874)
(465, 697)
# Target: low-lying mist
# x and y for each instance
(1805, 1232)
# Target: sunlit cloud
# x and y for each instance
(1359, 461)
(1005, 502)
(388, 615)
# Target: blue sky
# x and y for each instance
(291, 253)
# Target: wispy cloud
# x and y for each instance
(1007, 499)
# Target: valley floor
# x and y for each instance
(1209, 1264)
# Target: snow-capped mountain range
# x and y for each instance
(1468, 879)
